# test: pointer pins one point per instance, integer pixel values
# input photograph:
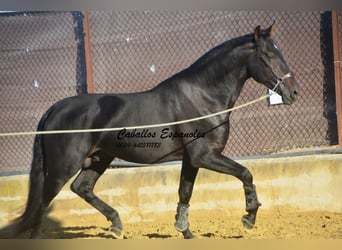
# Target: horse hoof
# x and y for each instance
(188, 235)
(246, 222)
(117, 233)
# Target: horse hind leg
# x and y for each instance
(84, 184)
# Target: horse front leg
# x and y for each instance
(187, 179)
(222, 164)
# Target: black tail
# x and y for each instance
(36, 187)
(35, 196)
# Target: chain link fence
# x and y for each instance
(133, 51)
(42, 61)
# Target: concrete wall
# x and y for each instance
(302, 183)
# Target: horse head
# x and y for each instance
(268, 66)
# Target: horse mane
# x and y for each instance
(215, 54)
(214, 63)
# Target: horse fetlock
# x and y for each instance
(182, 223)
(252, 202)
(116, 227)
(116, 222)
(248, 220)
(117, 232)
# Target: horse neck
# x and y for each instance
(219, 78)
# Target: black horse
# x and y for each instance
(210, 84)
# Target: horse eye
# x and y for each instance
(270, 54)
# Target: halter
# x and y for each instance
(281, 79)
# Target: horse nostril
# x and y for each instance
(295, 93)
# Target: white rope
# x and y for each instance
(134, 127)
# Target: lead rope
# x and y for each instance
(146, 126)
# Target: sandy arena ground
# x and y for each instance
(214, 225)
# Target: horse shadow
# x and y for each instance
(158, 236)
(53, 229)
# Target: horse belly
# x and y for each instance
(146, 146)
(147, 152)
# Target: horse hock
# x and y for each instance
(252, 205)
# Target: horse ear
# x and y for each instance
(271, 29)
(257, 33)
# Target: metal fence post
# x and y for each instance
(337, 70)
(87, 47)
(81, 74)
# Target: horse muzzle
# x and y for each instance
(289, 90)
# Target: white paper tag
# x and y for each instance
(275, 98)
